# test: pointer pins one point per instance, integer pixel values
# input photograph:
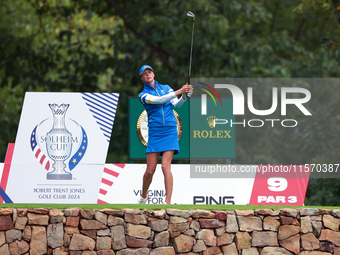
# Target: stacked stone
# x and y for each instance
(77, 231)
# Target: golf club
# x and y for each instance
(190, 14)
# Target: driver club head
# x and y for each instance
(190, 14)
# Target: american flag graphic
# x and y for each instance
(110, 174)
(103, 108)
(39, 155)
(78, 156)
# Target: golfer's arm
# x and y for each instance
(177, 102)
(150, 99)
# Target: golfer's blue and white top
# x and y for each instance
(158, 103)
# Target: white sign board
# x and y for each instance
(61, 147)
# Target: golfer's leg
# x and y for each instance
(151, 163)
(168, 180)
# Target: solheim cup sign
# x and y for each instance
(61, 147)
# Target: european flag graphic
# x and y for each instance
(78, 156)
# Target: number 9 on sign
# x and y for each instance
(277, 184)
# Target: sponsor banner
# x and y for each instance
(61, 147)
(122, 184)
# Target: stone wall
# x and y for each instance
(77, 231)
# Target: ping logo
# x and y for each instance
(204, 98)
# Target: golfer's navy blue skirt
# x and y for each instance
(162, 139)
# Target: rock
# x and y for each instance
(220, 231)
(212, 250)
(244, 212)
(55, 235)
(331, 222)
(87, 214)
(309, 211)
(314, 253)
(103, 252)
(208, 236)
(178, 227)
(43, 211)
(137, 243)
(289, 212)
(71, 212)
(316, 218)
(6, 223)
(232, 226)
(6, 211)
(242, 240)
(138, 231)
(12, 235)
(250, 251)
(18, 247)
(132, 211)
(306, 225)
(159, 213)
(286, 220)
(275, 250)
(66, 240)
(71, 230)
(249, 224)
(224, 239)
(4, 250)
(267, 212)
(229, 249)
(163, 251)
(309, 242)
(265, 238)
(287, 231)
(91, 224)
(269, 223)
(179, 213)
(2, 238)
(199, 246)
(38, 244)
(292, 243)
(21, 212)
(113, 212)
(203, 214)
(183, 243)
(316, 225)
(37, 219)
(221, 215)
(175, 220)
(161, 239)
(27, 233)
(72, 221)
(211, 223)
(158, 225)
(140, 251)
(326, 246)
(80, 242)
(56, 215)
(104, 232)
(189, 232)
(90, 233)
(113, 221)
(101, 217)
(118, 237)
(135, 218)
(21, 223)
(330, 236)
(195, 225)
(103, 243)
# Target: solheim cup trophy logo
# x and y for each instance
(59, 143)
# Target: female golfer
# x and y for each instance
(163, 137)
